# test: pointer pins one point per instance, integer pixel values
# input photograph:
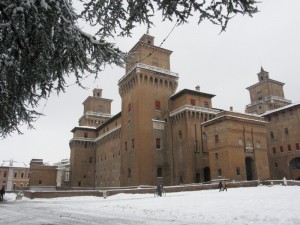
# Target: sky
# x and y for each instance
(260, 205)
(223, 64)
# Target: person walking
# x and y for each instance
(2, 193)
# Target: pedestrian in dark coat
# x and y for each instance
(220, 186)
(2, 192)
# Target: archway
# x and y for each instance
(249, 168)
(295, 163)
(206, 174)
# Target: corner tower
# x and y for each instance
(266, 95)
(145, 90)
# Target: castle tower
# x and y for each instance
(145, 90)
(83, 151)
(96, 109)
(266, 95)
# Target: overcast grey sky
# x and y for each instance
(222, 64)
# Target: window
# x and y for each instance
(274, 150)
(157, 105)
(22, 175)
(271, 135)
(205, 104)
(4, 174)
(281, 148)
(132, 143)
(125, 145)
(157, 143)
(193, 102)
(159, 172)
(286, 131)
(275, 165)
(40, 181)
(85, 134)
(216, 138)
(129, 173)
(15, 175)
(129, 107)
(297, 146)
(219, 172)
(216, 156)
(90, 159)
(238, 171)
(180, 134)
(289, 148)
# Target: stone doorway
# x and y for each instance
(249, 168)
(206, 174)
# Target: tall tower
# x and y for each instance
(266, 95)
(145, 90)
(83, 150)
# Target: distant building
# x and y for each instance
(42, 174)
(14, 175)
(161, 136)
(63, 173)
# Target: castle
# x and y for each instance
(169, 137)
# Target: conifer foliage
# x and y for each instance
(41, 43)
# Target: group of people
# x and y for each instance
(2, 193)
(222, 186)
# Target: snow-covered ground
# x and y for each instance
(256, 205)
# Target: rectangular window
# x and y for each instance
(157, 143)
(286, 131)
(271, 135)
(219, 172)
(157, 105)
(4, 174)
(216, 156)
(238, 171)
(281, 148)
(275, 165)
(193, 102)
(159, 172)
(132, 143)
(289, 148)
(180, 134)
(297, 146)
(90, 159)
(274, 150)
(216, 138)
(206, 104)
(85, 134)
(129, 107)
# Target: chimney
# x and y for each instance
(231, 108)
(197, 88)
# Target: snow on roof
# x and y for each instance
(281, 108)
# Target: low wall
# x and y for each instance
(131, 190)
(56, 194)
